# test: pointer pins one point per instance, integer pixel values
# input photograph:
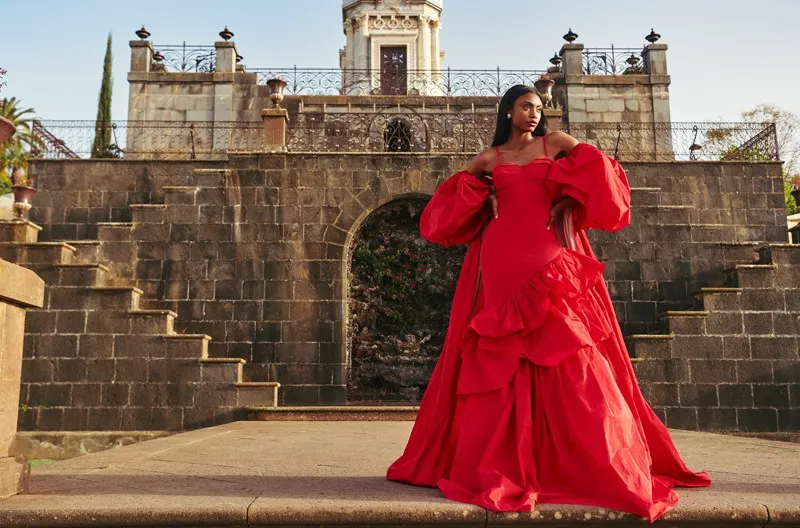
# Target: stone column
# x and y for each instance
(424, 45)
(436, 61)
(362, 36)
(20, 288)
(347, 78)
(275, 120)
(361, 78)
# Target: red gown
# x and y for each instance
(534, 399)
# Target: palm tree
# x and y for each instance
(15, 152)
(21, 117)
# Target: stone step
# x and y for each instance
(263, 394)
(686, 322)
(86, 251)
(180, 195)
(119, 298)
(743, 252)
(662, 214)
(221, 370)
(152, 322)
(148, 213)
(37, 253)
(643, 196)
(21, 231)
(356, 413)
(641, 346)
(75, 274)
(114, 231)
(751, 275)
(719, 299)
(187, 345)
(780, 254)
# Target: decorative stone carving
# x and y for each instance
(393, 23)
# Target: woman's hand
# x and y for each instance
(486, 177)
(557, 208)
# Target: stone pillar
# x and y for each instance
(141, 55)
(655, 59)
(275, 120)
(223, 93)
(226, 56)
(141, 61)
(572, 58)
(20, 289)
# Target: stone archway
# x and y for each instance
(400, 290)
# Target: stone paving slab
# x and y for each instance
(332, 474)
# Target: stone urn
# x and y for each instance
(23, 193)
(545, 88)
(7, 129)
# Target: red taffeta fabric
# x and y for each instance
(534, 399)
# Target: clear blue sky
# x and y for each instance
(725, 56)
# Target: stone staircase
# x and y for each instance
(98, 358)
(732, 362)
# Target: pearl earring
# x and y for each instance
(508, 116)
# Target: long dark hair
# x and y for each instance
(503, 129)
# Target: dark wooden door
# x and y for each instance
(394, 68)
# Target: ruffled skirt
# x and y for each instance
(539, 416)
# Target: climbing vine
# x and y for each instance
(401, 288)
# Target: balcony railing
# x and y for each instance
(447, 82)
(401, 131)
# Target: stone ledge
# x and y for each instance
(20, 286)
(62, 445)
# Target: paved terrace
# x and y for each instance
(331, 474)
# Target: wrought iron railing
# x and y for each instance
(449, 82)
(749, 142)
(151, 139)
(612, 61)
(391, 131)
(404, 130)
(185, 58)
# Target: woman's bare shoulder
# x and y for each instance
(483, 162)
(560, 142)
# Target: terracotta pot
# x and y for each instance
(22, 200)
(7, 129)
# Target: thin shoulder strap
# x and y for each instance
(497, 151)
(544, 144)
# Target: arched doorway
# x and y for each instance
(401, 288)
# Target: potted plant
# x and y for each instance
(15, 159)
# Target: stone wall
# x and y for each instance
(254, 253)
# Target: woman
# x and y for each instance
(533, 399)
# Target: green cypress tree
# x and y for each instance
(103, 142)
